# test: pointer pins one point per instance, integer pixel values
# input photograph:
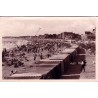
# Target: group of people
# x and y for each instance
(41, 45)
(90, 47)
(38, 48)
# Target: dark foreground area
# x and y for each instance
(74, 70)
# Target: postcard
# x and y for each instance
(48, 48)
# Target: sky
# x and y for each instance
(29, 26)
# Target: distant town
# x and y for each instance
(64, 35)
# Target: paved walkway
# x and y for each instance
(89, 69)
(73, 71)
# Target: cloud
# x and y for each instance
(21, 26)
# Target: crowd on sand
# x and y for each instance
(38, 48)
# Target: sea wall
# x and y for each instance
(51, 68)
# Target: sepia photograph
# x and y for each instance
(52, 48)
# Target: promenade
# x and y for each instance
(74, 72)
(59, 66)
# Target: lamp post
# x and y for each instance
(37, 33)
(37, 39)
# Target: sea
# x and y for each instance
(12, 42)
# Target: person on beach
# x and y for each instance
(35, 56)
(13, 72)
(83, 65)
(48, 55)
(41, 56)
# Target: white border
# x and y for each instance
(48, 8)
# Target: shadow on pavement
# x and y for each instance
(73, 72)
